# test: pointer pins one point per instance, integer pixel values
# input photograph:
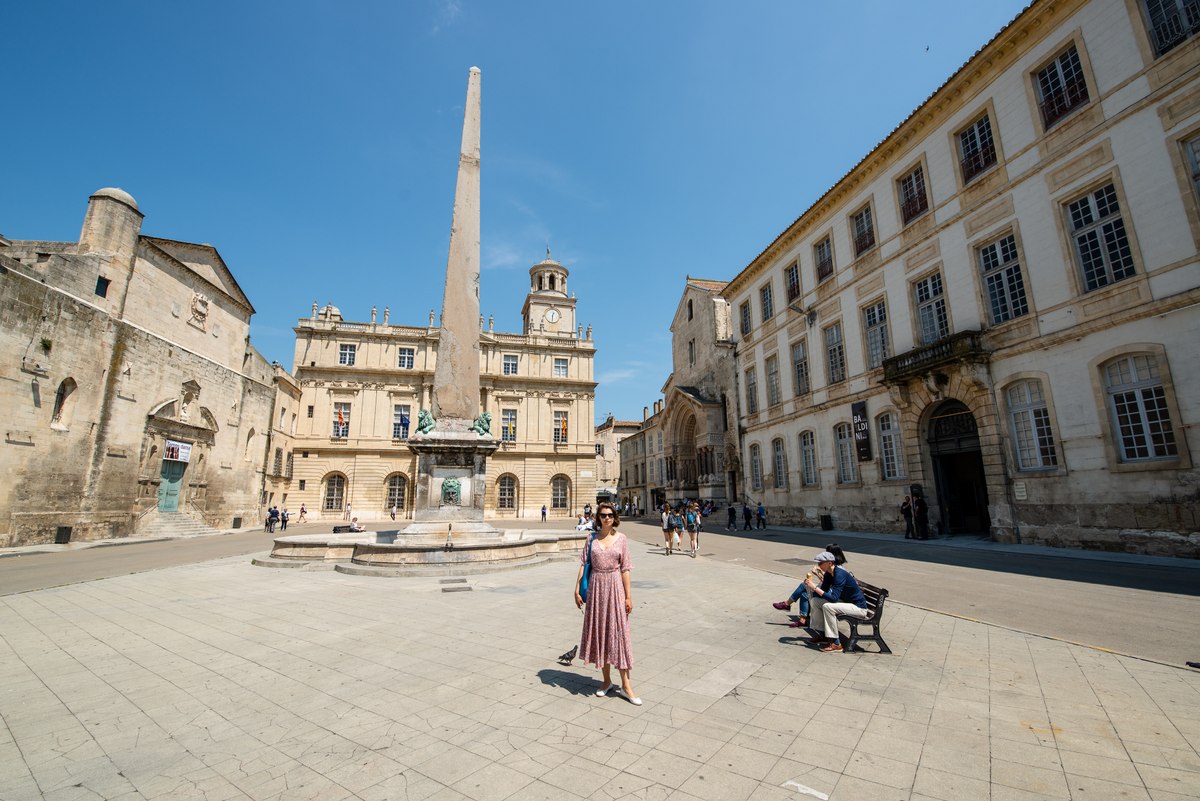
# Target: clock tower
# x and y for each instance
(548, 308)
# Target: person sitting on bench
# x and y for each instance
(837, 594)
(801, 593)
(354, 526)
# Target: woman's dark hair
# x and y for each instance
(611, 508)
(836, 550)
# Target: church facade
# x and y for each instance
(133, 399)
(363, 384)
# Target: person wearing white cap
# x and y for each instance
(836, 594)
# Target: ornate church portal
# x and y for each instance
(962, 495)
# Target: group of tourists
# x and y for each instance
(687, 516)
(758, 516)
(278, 518)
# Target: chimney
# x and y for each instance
(645, 413)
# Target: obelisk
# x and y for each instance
(453, 440)
(456, 379)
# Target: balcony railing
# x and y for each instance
(864, 242)
(1056, 106)
(977, 161)
(966, 345)
(914, 207)
(824, 269)
(1175, 28)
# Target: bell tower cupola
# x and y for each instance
(549, 308)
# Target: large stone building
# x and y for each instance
(610, 484)
(1000, 302)
(133, 400)
(362, 384)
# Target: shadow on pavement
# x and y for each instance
(571, 682)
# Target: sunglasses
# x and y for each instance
(606, 514)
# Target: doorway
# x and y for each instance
(168, 488)
(958, 470)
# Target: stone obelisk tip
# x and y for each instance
(456, 379)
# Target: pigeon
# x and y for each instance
(569, 655)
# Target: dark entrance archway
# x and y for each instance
(958, 469)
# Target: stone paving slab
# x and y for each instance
(226, 681)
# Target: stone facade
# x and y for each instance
(129, 386)
(537, 386)
(998, 303)
(609, 453)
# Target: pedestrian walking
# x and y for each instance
(303, 518)
(691, 519)
(605, 641)
(746, 516)
(666, 529)
(732, 524)
(906, 511)
(393, 511)
(543, 513)
(760, 516)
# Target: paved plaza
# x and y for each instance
(221, 680)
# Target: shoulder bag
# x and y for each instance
(587, 569)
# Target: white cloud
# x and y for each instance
(616, 376)
(447, 12)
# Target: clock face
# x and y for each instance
(552, 316)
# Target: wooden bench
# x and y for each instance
(875, 597)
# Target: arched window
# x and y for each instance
(335, 493)
(249, 444)
(808, 459)
(61, 416)
(689, 309)
(756, 473)
(506, 492)
(1029, 418)
(847, 468)
(1137, 402)
(560, 492)
(890, 452)
(780, 462)
(397, 491)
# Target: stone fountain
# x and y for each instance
(453, 439)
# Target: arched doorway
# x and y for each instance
(958, 469)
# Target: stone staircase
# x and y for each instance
(172, 525)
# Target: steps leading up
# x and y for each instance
(172, 525)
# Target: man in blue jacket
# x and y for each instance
(837, 594)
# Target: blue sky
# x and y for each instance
(315, 144)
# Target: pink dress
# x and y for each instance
(605, 639)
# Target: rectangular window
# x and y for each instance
(931, 309)
(1192, 149)
(303, 483)
(347, 354)
(847, 467)
(560, 428)
(808, 459)
(891, 456)
(1002, 280)
(800, 382)
(341, 420)
(1171, 22)
(560, 368)
(780, 464)
(1060, 87)
(691, 352)
(1138, 404)
(1101, 244)
(751, 391)
(1033, 439)
(774, 393)
(835, 354)
(102, 284)
(914, 201)
(400, 420)
(744, 309)
(864, 231)
(756, 474)
(508, 425)
(510, 364)
(310, 412)
(791, 277)
(599, 449)
(976, 148)
(767, 302)
(823, 257)
(875, 323)
(406, 358)
(660, 440)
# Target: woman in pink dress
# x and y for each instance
(605, 641)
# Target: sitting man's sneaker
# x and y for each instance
(832, 647)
